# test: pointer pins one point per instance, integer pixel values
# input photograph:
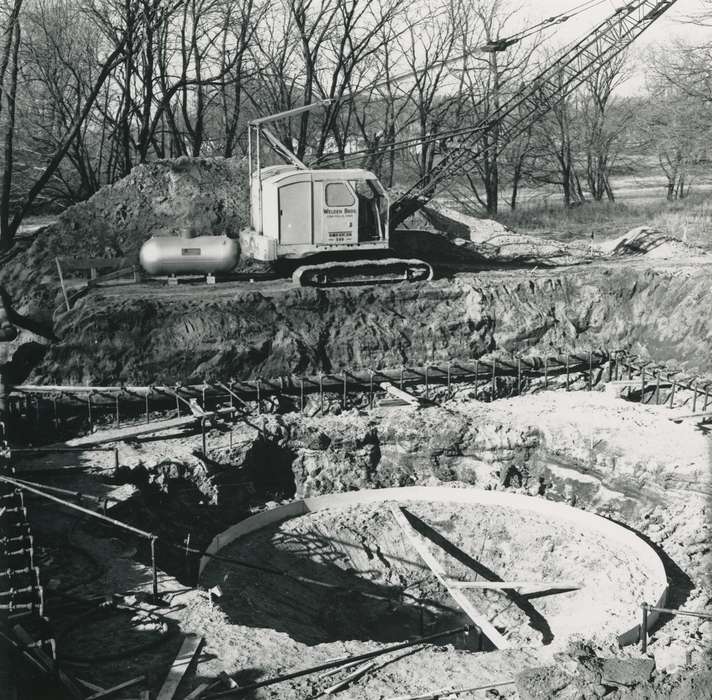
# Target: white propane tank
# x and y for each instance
(166, 255)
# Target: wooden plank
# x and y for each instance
(635, 382)
(400, 394)
(515, 585)
(459, 597)
(707, 414)
(188, 650)
(117, 688)
(197, 692)
(91, 686)
(132, 431)
(361, 671)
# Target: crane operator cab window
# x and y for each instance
(371, 210)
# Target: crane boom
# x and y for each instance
(558, 79)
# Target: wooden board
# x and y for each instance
(130, 431)
(109, 692)
(186, 654)
(400, 395)
(194, 695)
(459, 597)
(515, 585)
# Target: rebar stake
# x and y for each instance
(155, 570)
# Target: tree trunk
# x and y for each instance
(7, 233)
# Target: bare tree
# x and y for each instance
(557, 141)
(15, 208)
(605, 122)
(675, 124)
(489, 78)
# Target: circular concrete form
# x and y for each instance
(355, 574)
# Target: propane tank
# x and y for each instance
(203, 255)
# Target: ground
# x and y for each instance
(500, 295)
(670, 462)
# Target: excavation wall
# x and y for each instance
(147, 335)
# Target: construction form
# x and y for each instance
(322, 570)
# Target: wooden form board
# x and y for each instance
(186, 654)
(458, 596)
(131, 431)
(400, 395)
(515, 585)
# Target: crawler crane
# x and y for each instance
(332, 226)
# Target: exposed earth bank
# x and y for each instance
(144, 334)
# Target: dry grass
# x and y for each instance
(689, 219)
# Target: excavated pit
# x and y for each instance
(352, 574)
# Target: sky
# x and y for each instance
(670, 26)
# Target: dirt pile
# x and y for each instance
(650, 242)
(495, 242)
(187, 196)
(581, 674)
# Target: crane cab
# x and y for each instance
(297, 212)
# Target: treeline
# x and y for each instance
(90, 88)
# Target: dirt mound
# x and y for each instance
(650, 242)
(187, 196)
(580, 673)
(494, 241)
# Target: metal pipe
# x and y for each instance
(59, 448)
(685, 613)
(154, 568)
(694, 397)
(644, 629)
(494, 377)
(546, 372)
(519, 375)
(568, 371)
(338, 662)
(74, 506)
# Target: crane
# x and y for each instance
(332, 226)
